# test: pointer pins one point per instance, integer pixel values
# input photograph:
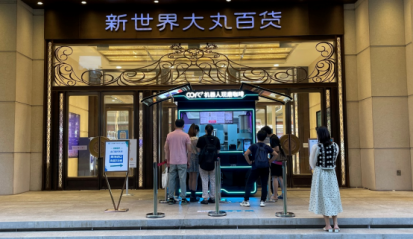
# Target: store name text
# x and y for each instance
(244, 20)
(215, 94)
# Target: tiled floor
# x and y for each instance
(90, 205)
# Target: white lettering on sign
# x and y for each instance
(193, 22)
(276, 16)
(113, 22)
(214, 94)
(217, 22)
(244, 20)
(80, 147)
(144, 21)
(169, 18)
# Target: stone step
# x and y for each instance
(206, 223)
(315, 233)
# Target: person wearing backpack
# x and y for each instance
(209, 147)
(260, 164)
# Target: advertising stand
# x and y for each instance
(116, 160)
(133, 150)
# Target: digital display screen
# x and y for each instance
(269, 94)
(150, 100)
(224, 117)
(247, 145)
(233, 128)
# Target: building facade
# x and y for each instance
(80, 72)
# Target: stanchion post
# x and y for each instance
(285, 213)
(217, 212)
(155, 213)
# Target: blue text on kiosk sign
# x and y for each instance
(116, 159)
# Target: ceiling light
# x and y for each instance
(83, 2)
(228, 0)
(39, 3)
(156, 1)
(276, 65)
(119, 67)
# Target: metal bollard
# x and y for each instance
(285, 213)
(155, 213)
(217, 212)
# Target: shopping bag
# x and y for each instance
(165, 178)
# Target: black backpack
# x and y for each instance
(208, 155)
(261, 157)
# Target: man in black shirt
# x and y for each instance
(207, 166)
(276, 166)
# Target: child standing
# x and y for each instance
(260, 167)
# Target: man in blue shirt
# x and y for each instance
(260, 167)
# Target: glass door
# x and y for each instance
(81, 166)
(306, 116)
(119, 125)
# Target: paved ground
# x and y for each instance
(90, 205)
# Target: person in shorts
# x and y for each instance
(276, 166)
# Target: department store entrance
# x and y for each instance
(100, 88)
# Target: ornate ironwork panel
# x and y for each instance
(212, 66)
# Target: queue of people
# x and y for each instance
(195, 156)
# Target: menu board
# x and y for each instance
(215, 117)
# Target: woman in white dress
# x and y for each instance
(325, 194)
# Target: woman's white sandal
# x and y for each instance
(328, 230)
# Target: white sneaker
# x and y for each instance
(245, 204)
(262, 204)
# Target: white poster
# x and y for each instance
(117, 156)
(133, 153)
(311, 143)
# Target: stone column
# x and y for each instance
(408, 19)
(382, 95)
(16, 95)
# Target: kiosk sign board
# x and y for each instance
(117, 156)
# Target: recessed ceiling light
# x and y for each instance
(156, 1)
(39, 3)
(83, 2)
(119, 67)
(228, 0)
(276, 65)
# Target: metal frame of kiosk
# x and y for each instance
(239, 133)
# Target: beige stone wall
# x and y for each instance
(377, 94)
(21, 97)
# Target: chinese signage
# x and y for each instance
(244, 20)
(220, 94)
(212, 21)
(117, 156)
